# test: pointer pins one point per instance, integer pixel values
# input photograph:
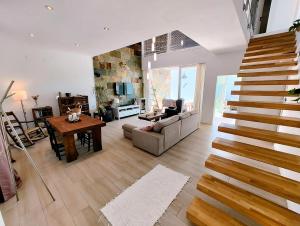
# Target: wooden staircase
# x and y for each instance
(266, 57)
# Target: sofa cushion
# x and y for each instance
(165, 122)
(147, 128)
(189, 125)
(148, 141)
(128, 127)
(127, 130)
(194, 112)
(184, 115)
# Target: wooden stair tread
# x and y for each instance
(202, 213)
(273, 183)
(271, 48)
(259, 209)
(283, 34)
(270, 58)
(269, 65)
(260, 93)
(277, 50)
(267, 73)
(267, 82)
(266, 155)
(263, 118)
(270, 45)
(271, 55)
(261, 134)
(267, 105)
(272, 40)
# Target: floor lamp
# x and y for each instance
(21, 95)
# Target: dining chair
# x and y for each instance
(86, 137)
(55, 141)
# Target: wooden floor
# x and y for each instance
(82, 187)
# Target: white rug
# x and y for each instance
(144, 202)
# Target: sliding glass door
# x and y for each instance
(172, 83)
(187, 86)
(163, 83)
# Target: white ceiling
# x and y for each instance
(214, 24)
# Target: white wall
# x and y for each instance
(292, 150)
(242, 17)
(221, 64)
(282, 14)
(43, 72)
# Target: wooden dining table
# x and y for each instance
(67, 130)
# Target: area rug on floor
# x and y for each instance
(144, 202)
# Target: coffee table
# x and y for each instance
(152, 116)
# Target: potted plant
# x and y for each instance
(103, 97)
(295, 26)
(295, 92)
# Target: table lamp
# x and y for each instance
(21, 95)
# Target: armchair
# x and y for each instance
(171, 111)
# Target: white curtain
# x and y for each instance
(199, 87)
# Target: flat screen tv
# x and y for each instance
(129, 89)
(119, 88)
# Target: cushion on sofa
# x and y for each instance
(147, 128)
(184, 115)
(165, 122)
(194, 112)
(128, 127)
(127, 130)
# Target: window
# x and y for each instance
(172, 83)
(188, 85)
(164, 83)
(224, 86)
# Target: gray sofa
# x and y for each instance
(166, 133)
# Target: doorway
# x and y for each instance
(224, 86)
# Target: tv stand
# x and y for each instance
(125, 111)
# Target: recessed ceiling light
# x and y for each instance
(49, 7)
(77, 44)
(106, 28)
(31, 35)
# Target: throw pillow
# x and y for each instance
(194, 112)
(184, 115)
(165, 122)
(147, 128)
